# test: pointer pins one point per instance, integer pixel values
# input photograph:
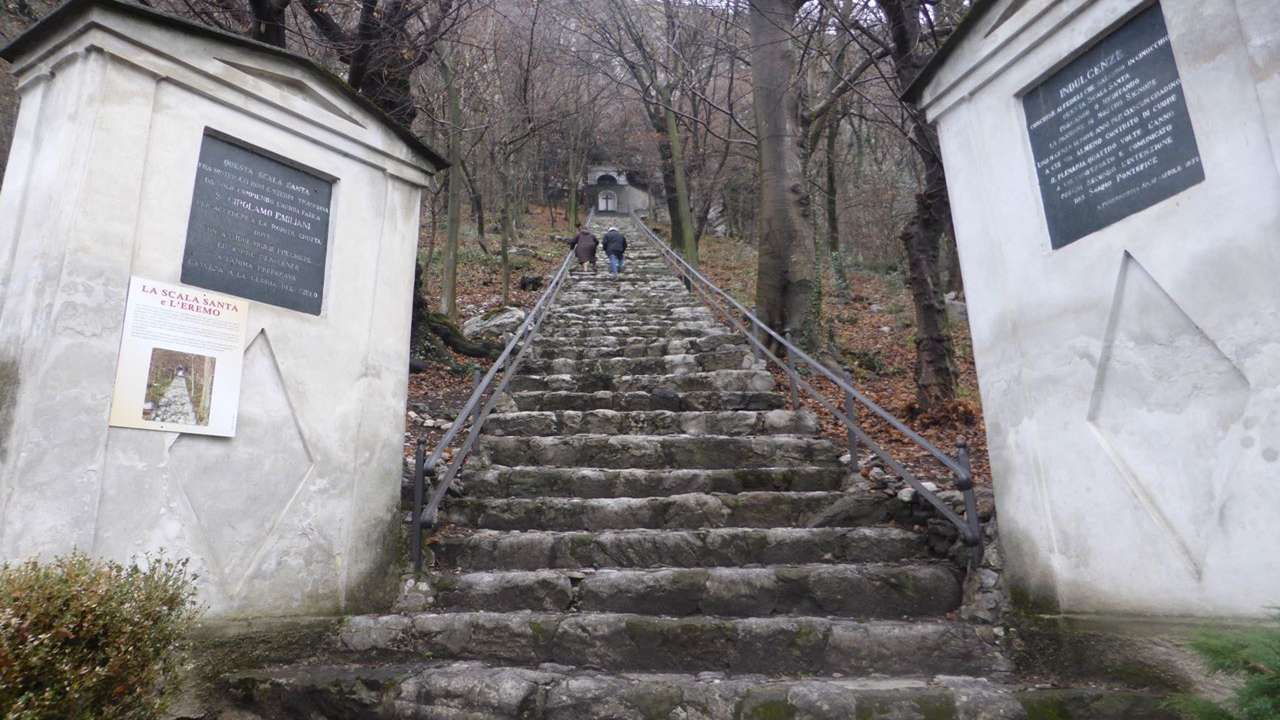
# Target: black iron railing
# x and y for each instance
(477, 409)
(788, 356)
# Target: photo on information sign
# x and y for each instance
(179, 388)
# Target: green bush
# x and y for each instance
(1254, 657)
(83, 638)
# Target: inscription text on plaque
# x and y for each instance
(259, 228)
(1110, 131)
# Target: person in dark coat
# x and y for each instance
(615, 244)
(584, 246)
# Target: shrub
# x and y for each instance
(1253, 656)
(83, 638)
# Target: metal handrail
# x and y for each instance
(477, 409)
(969, 526)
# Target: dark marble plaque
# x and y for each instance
(1110, 132)
(259, 228)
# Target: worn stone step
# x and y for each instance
(725, 547)
(536, 481)
(712, 381)
(857, 591)
(589, 305)
(608, 340)
(623, 642)
(653, 422)
(674, 364)
(632, 310)
(672, 512)
(654, 324)
(656, 451)
(629, 286)
(609, 298)
(554, 349)
(654, 330)
(604, 286)
(658, 400)
(474, 690)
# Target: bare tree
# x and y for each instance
(905, 32)
(785, 275)
(645, 38)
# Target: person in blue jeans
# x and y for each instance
(615, 244)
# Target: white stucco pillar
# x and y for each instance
(296, 514)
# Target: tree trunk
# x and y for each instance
(508, 229)
(785, 281)
(833, 206)
(669, 189)
(955, 278)
(574, 173)
(684, 241)
(453, 217)
(935, 372)
(477, 205)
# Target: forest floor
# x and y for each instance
(870, 331)
(438, 394)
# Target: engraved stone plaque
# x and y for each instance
(259, 228)
(1110, 132)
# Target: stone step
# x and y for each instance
(653, 422)
(651, 330)
(631, 286)
(473, 690)
(563, 325)
(855, 591)
(534, 481)
(712, 381)
(614, 311)
(625, 642)
(589, 305)
(726, 547)
(659, 400)
(690, 511)
(609, 297)
(737, 359)
(550, 349)
(555, 693)
(604, 320)
(656, 451)
(608, 340)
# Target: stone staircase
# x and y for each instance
(636, 540)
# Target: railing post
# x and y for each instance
(791, 376)
(475, 385)
(965, 484)
(415, 516)
(851, 411)
(755, 334)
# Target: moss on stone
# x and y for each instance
(540, 632)
(806, 640)
(936, 708)
(656, 704)
(1046, 708)
(772, 710)
(8, 398)
(1023, 600)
